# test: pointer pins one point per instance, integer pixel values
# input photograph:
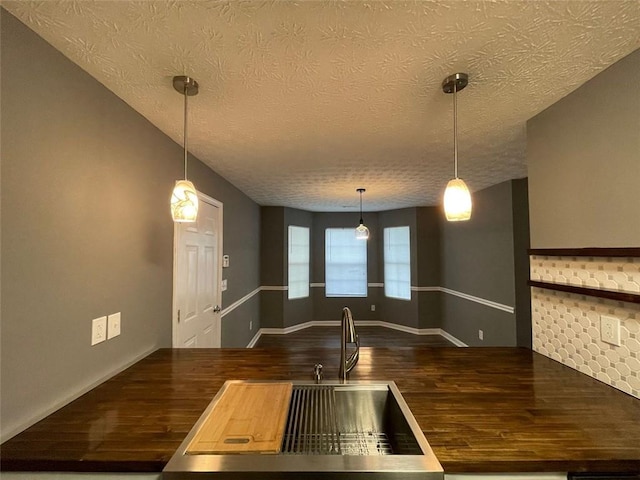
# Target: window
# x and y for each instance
(298, 262)
(345, 263)
(397, 263)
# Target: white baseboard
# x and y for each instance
(452, 339)
(401, 328)
(255, 339)
(364, 323)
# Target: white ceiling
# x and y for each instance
(302, 102)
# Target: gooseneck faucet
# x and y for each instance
(349, 335)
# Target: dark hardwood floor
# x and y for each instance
(329, 337)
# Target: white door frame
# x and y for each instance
(174, 309)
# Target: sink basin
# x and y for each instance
(347, 419)
(333, 430)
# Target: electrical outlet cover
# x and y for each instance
(98, 330)
(610, 330)
(113, 325)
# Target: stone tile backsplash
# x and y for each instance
(566, 327)
(620, 274)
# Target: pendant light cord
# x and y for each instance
(455, 130)
(186, 96)
(361, 221)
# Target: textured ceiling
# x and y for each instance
(303, 102)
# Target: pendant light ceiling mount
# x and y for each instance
(362, 232)
(184, 199)
(185, 85)
(455, 82)
(457, 198)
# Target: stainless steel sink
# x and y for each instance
(334, 430)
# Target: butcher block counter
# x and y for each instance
(481, 409)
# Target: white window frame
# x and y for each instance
(397, 263)
(346, 257)
(298, 262)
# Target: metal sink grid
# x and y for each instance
(313, 428)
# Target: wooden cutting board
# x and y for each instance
(248, 418)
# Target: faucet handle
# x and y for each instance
(317, 372)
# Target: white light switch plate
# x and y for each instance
(113, 324)
(225, 261)
(610, 330)
(98, 330)
(224, 285)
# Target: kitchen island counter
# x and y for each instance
(481, 409)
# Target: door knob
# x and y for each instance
(216, 309)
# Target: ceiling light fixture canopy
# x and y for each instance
(457, 198)
(362, 232)
(184, 199)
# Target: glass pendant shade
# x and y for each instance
(362, 232)
(184, 202)
(184, 198)
(457, 198)
(457, 201)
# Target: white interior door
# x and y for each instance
(197, 278)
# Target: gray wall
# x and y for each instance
(273, 266)
(429, 266)
(521, 244)
(478, 259)
(86, 229)
(277, 311)
(486, 257)
(584, 162)
(584, 168)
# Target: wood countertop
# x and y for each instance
(481, 409)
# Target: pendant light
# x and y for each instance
(362, 232)
(184, 199)
(457, 199)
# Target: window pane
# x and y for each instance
(298, 262)
(345, 263)
(397, 263)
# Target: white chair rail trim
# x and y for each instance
(449, 291)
